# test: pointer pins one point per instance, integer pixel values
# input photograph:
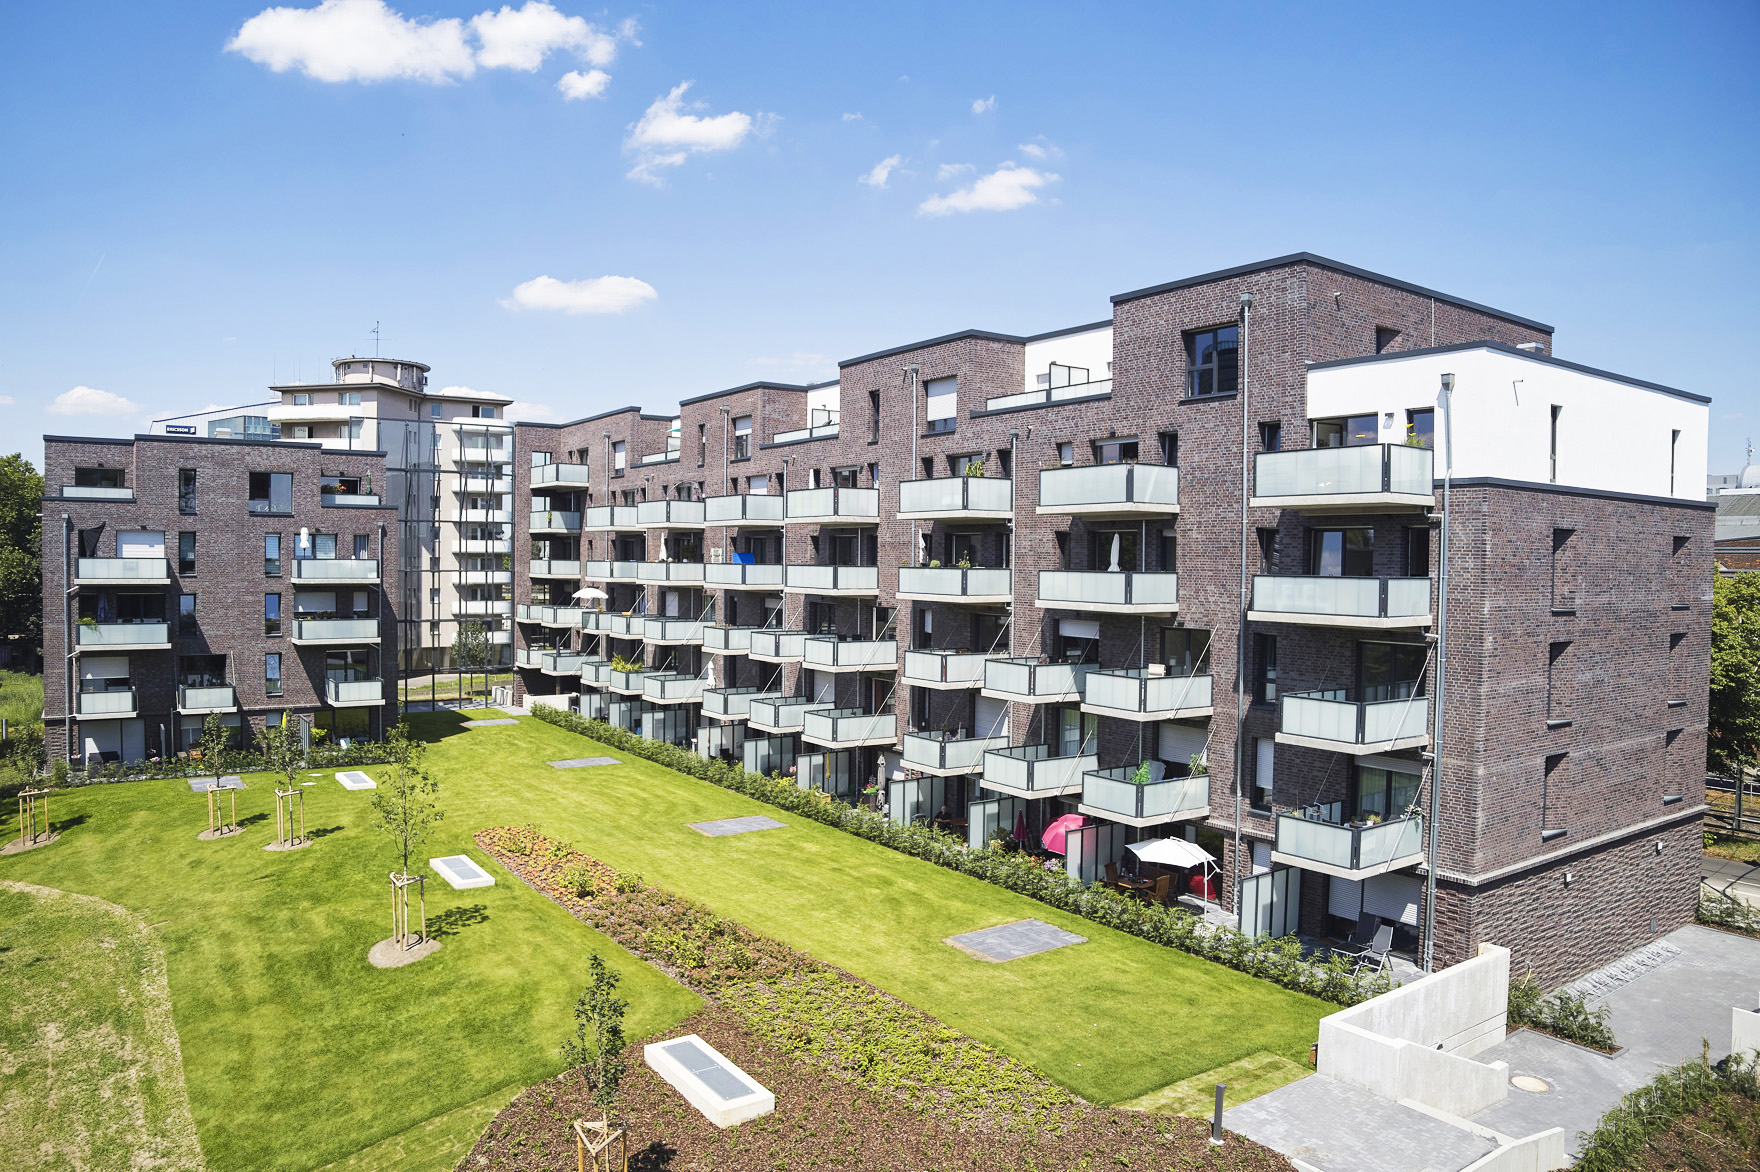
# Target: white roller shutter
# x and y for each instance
(758, 485)
(990, 718)
(824, 685)
(943, 397)
(1393, 897)
(1180, 742)
(314, 602)
(1079, 628)
(1261, 857)
(1262, 766)
(103, 667)
(140, 544)
(1345, 898)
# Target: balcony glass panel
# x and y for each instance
(669, 571)
(1350, 848)
(734, 702)
(1043, 682)
(596, 671)
(956, 494)
(853, 503)
(95, 492)
(319, 630)
(113, 702)
(556, 519)
(673, 630)
(121, 634)
(126, 569)
(1135, 690)
(561, 662)
(1375, 468)
(1342, 597)
(826, 578)
(670, 512)
(789, 645)
(1043, 395)
(610, 517)
(949, 750)
(354, 691)
(728, 640)
(215, 697)
(1332, 716)
(784, 714)
(877, 654)
(556, 568)
(560, 474)
(1035, 769)
(1077, 588)
(671, 687)
(742, 509)
(1149, 487)
(736, 574)
(845, 726)
(946, 582)
(945, 667)
(336, 569)
(1115, 792)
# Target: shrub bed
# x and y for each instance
(1562, 1014)
(235, 761)
(1695, 1115)
(1717, 910)
(1335, 979)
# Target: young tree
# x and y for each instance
(283, 751)
(216, 740)
(471, 650)
(596, 1050)
(1734, 730)
(403, 805)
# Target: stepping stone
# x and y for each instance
(722, 827)
(581, 762)
(355, 779)
(1013, 941)
(202, 785)
(488, 723)
(461, 872)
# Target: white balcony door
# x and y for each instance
(97, 668)
(1179, 743)
(990, 718)
(824, 686)
(140, 544)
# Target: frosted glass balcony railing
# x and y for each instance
(552, 616)
(831, 579)
(1124, 591)
(945, 669)
(785, 714)
(347, 692)
(348, 500)
(935, 583)
(1033, 682)
(778, 646)
(598, 571)
(848, 728)
(1135, 694)
(948, 753)
(119, 635)
(561, 663)
(1370, 473)
(555, 521)
(1109, 489)
(616, 624)
(1335, 718)
(743, 509)
(818, 431)
(673, 630)
(1350, 851)
(560, 474)
(738, 575)
(956, 497)
(555, 568)
(666, 457)
(1339, 601)
(116, 702)
(827, 654)
(610, 517)
(335, 570)
(628, 682)
(482, 607)
(686, 572)
(806, 506)
(482, 516)
(1042, 395)
(335, 630)
(728, 640)
(670, 514)
(95, 492)
(484, 577)
(734, 703)
(482, 545)
(123, 571)
(1036, 770)
(1113, 793)
(218, 698)
(670, 687)
(596, 672)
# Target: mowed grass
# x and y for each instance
(21, 698)
(296, 1051)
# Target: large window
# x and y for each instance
(1421, 427)
(272, 673)
(186, 490)
(1341, 553)
(1213, 362)
(742, 437)
(271, 492)
(1352, 431)
(1112, 549)
(1385, 793)
(1185, 651)
(186, 614)
(1390, 671)
(1264, 668)
(942, 397)
(1115, 452)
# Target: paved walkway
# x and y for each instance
(1735, 879)
(1661, 1016)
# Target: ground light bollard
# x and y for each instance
(400, 885)
(604, 1133)
(1216, 1120)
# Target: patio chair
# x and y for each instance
(1159, 892)
(1112, 874)
(1362, 934)
(1374, 956)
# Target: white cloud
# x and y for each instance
(591, 84)
(355, 40)
(952, 171)
(881, 171)
(5, 400)
(519, 410)
(90, 401)
(1041, 148)
(591, 295)
(984, 105)
(667, 134)
(856, 117)
(520, 38)
(1009, 186)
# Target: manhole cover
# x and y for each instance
(1527, 1082)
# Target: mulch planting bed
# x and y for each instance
(861, 1079)
(1722, 1136)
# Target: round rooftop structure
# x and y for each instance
(399, 372)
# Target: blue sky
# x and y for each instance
(184, 222)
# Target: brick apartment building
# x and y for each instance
(184, 577)
(1206, 538)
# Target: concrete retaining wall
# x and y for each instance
(1541, 1152)
(1744, 1031)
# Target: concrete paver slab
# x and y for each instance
(584, 762)
(1340, 1128)
(1013, 941)
(723, 827)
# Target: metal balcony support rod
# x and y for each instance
(1240, 662)
(1435, 827)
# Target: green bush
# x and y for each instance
(1720, 911)
(1280, 961)
(1562, 1014)
(1651, 1109)
(579, 879)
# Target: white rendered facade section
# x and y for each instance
(1090, 350)
(823, 404)
(1612, 435)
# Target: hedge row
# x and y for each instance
(1335, 979)
(233, 761)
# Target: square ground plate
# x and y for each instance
(488, 723)
(355, 779)
(461, 872)
(724, 1093)
(722, 827)
(583, 762)
(1013, 941)
(202, 785)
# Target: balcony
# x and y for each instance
(483, 578)
(832, 506)
(556, 568)
(555, 521)
(844, 580)
(758, 512)
(482, 545)
(122, 636)
(1138, 694)
(774, 646)
(670, 687)
(728, 640)
(1114, 794)
(615, 624)
(1036, 771)
(596, 673)
(349, 500)
(948, 754)
(673, 630)
(1043, 395)
(1375, 478)
(1331, 720)
(827, 654)
(570, 474)
(335, 632)
(628, 683)
(356, 693)
(734, 703)
(549, 616)
(112, 704)
(785, 714)
(1029, 681)
(979, 586)
(956, 498)
(945, 670)
(597, 571)
(849, 728)
(670, 514)
(1109, 591)
(473, 484)
(669, 456)
(610, 517)
(1349, 852)
(199, 701)
(817, 431)
(122, 572)
(1313, 600)
(743, 576)
(482, 516)
(554, 663)
(688, 573)
(483, 453)
(350, 570)
(483, 608)
(96, 492)
(1109, 490)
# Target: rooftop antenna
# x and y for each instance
(375, 339)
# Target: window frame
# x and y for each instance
(1215, 366)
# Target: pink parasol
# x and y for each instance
(1056, 832)
(1020, 827)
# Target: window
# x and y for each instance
(962, 547)
(1115, 451)
(1185, 651)
(1385, 793)
(989, 632)
(1390, 671)
(1674, 447)
(302, 400)
(349, 398)
(1066, 453)
(942, 396)
(1169, 550)
(186, 553)
(186, 488)
(873, 417)
(1341, 553)
(702, 444)
(1169, 441)
(1077, 731)
(1271, 436)
(539, 459)
(97, 478)
(1552, 459)
(1421, 427)
(1417, 551)
(1264, 668)
(1350, 432)
(186, 614)
(1268, 551)
(272, 555)
(1385, 338)
(271, 492)
(272, 673)
(844, 477)
(1112, 549)
(356, 428)
(617, 457)
(1264, 769)
(271, 614)
(1212, 362)
(1061, 536)
(1558, 681)
(1555, 772)
(435, 410)
(1564, 571)
(742, 437)
(363, 546)
(482, 412)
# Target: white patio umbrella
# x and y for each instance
(1171, 852)
(591, 592)
(1113, 568)
(709, 674)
